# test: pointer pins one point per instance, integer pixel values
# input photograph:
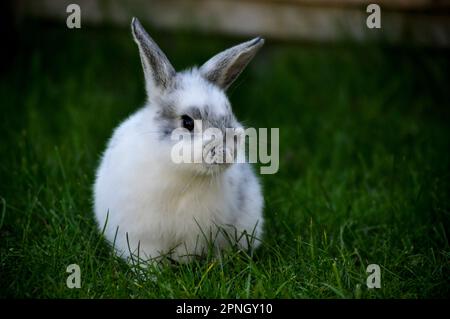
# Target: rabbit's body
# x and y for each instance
(163, 210)
(149, 205)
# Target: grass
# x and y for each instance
(364, 168)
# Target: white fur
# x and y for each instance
(144, 200)
(161, 205)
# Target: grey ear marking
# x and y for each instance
(225, 67)
(157, 69)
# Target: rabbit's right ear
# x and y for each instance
(157, 69)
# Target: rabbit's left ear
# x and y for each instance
(157, 69)
(224, 68)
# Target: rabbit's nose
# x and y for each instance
(224, 155)
(218, 154)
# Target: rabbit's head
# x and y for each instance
(194, 101)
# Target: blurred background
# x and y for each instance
(364, 143)
(409, 21)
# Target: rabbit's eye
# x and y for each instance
(188, 122)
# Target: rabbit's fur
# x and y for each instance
(150, 206)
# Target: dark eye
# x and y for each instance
(187, 122)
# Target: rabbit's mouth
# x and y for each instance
(212, 169)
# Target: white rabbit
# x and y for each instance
(150, 206)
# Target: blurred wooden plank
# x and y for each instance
(282, 19)
(387, 4)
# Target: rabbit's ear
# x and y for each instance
(157, 69)
(224, 68)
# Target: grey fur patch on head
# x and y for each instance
(166, 117)
(225, 67)
(210, 119)
(157, 67)
(196, 113)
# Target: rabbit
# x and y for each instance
(149, 207)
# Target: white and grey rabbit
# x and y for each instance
(149, 206)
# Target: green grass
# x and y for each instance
(364, 168)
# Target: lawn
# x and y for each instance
(364, 172)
